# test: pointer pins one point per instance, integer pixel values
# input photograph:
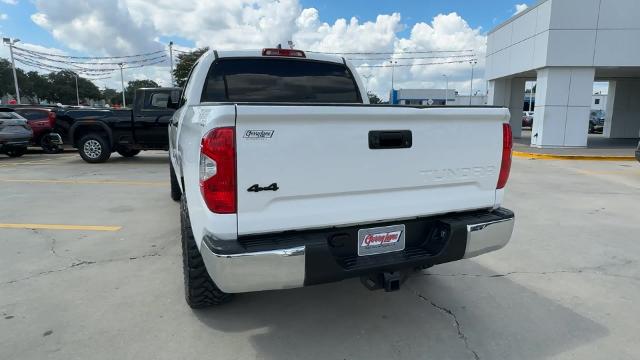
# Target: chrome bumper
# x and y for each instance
(256, 271)
(286, 268)
(488, 236)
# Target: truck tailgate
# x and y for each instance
(327, 174)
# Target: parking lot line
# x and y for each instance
(60, 227)
(88, 182)
(528, 155)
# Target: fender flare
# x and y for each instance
(100, 124)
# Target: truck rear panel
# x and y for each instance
(342, 165)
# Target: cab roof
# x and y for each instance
(258, 53)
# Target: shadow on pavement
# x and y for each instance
(439, 317)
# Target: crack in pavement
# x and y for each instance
(600, 269)
(80, 264)
(452, 315)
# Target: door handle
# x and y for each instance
(390, 139)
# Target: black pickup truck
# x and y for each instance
(97, 132)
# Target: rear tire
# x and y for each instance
(176, 193)
(93, 148)
(16, 152)
(199, 289)
(48, 147)
(128, 152)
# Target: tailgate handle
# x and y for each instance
(390, 139)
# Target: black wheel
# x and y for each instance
(128, 152)
(175, 187)
(48, 147)
(199, 290)
(93, 148)
(16, 152)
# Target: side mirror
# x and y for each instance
(174, 100)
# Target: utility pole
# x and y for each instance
(473, 63)
(77, 93)
(446, 91)
(11, 43)
(124, 102)
(173, 83)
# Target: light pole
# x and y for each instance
(77, 93)
(367, 77)
(173, 83)
(124, 102)
(473, 63)
(11, 43)
(393, 70)
(446, 91)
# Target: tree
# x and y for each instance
(134, 85)
(6, 79)
(185, 63)
(111, 96)
(63, 88)
(373, 98)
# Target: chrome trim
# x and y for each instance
(256, 271)
(488, 236)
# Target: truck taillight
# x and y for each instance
(52, 119)
(507, 146)
(218, 170)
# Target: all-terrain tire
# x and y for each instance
(199, 289)
(175, 186)
(94, 148)
(16, 152)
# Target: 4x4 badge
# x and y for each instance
(257, 188)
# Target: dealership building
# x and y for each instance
(566, 45)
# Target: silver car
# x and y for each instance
(15, 133)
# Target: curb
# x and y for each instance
(527, 155)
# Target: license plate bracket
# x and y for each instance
(381, 240)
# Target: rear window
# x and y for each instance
(279, 80)
(9, 115)
(30, 114)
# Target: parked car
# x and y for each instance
(42, 120)
(596, 121)
(287, 177)
(527, 119)
(96, 133)
(15, 133)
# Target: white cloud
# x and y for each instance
(3, 16)
(10, 2)
(520, 8)
(104, 27)
(119, 27)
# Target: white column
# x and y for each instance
(563, 103)
(516, 104)
(510, 94)
(499, 92)
(623, 109)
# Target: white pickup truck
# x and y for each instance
(288, 177)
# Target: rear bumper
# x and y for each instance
(289, 260)
(14, 144)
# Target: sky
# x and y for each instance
(127, 27)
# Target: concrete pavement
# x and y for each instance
(566, 287)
